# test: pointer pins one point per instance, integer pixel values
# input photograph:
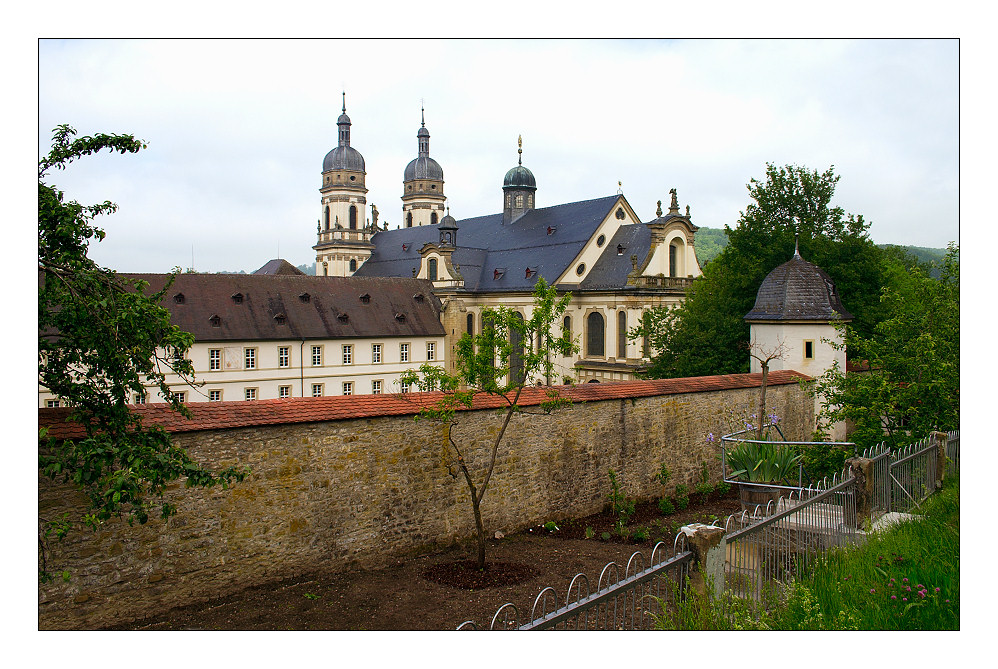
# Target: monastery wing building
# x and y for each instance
(615, 266)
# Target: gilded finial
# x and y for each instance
(519, 142)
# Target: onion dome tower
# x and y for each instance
(343, 236)
(422, 185)
(518, 188)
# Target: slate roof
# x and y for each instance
(493, 257)
(312, 307)
(280, 267)
(798, 291)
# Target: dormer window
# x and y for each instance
(365, 299)
(497, 273)
(343, 318)
(237, 298)
(405, 247)
(400, 318)
(551, 230)
(280, 319)
(215, 321)
(530, 273)
(620, 250)
(305, 298)
(418, 297)
(179, 298)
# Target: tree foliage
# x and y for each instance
(707, 334)
(499, 361)
(101, 340)
(913, 385)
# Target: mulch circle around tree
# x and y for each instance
(466, 575)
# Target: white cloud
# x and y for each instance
(237, 130)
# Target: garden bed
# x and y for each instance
(401, 597)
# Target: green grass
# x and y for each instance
(904, 578)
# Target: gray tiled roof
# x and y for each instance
(494, 257)
(279, 266)
(798, 290)
(333, 309)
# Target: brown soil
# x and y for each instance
(439, 592)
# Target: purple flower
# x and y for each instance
(710, 437)
(922, 593)
(904, 599)
(905, 579)
(872, 591)
(894, 596)
(937, 589)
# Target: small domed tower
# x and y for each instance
(794, 317)
(518, 188)
(343, 235)
(422, 185)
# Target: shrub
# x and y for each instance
(619, 504)
(666, 506)
(682, 496)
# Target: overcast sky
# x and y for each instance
(237, 131)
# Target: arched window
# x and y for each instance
(566, 329)
(519, 200)
(621, 334)
(677, 257)
(672, 260)
(353, 217)
(431, 269)
(433, 218)
(353, 264)
(471, 324)
(408, 220)
(595, 335)
(326, 216)
(516, 344)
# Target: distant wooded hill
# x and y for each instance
(709, 242)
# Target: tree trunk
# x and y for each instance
(762, 400)
(480, 527)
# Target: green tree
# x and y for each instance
(102, 339)
(494, 362)
(913, 385)
(707, 334)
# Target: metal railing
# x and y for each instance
(765, 548)
(619, 602)
(952, 453)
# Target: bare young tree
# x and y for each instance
(765, 355)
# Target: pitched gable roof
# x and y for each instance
(494, 257)
(222, 307)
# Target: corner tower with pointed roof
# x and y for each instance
(422, 185)
(343, 235)
(795, 315)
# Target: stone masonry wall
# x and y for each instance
(360, 493)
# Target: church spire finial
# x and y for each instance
(796, 248)
(344, 102)
(422, 113)
(519, 141)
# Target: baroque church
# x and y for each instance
(616, 266)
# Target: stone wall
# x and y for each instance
(362, 492)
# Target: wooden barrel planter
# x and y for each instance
(755, 494)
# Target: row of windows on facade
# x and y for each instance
(351, 223)
(518, 200)
(595, 333)
(283, 392)
(408, 219)
(346, 355)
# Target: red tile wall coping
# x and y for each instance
(222, 415)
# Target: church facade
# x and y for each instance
(616, 266)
